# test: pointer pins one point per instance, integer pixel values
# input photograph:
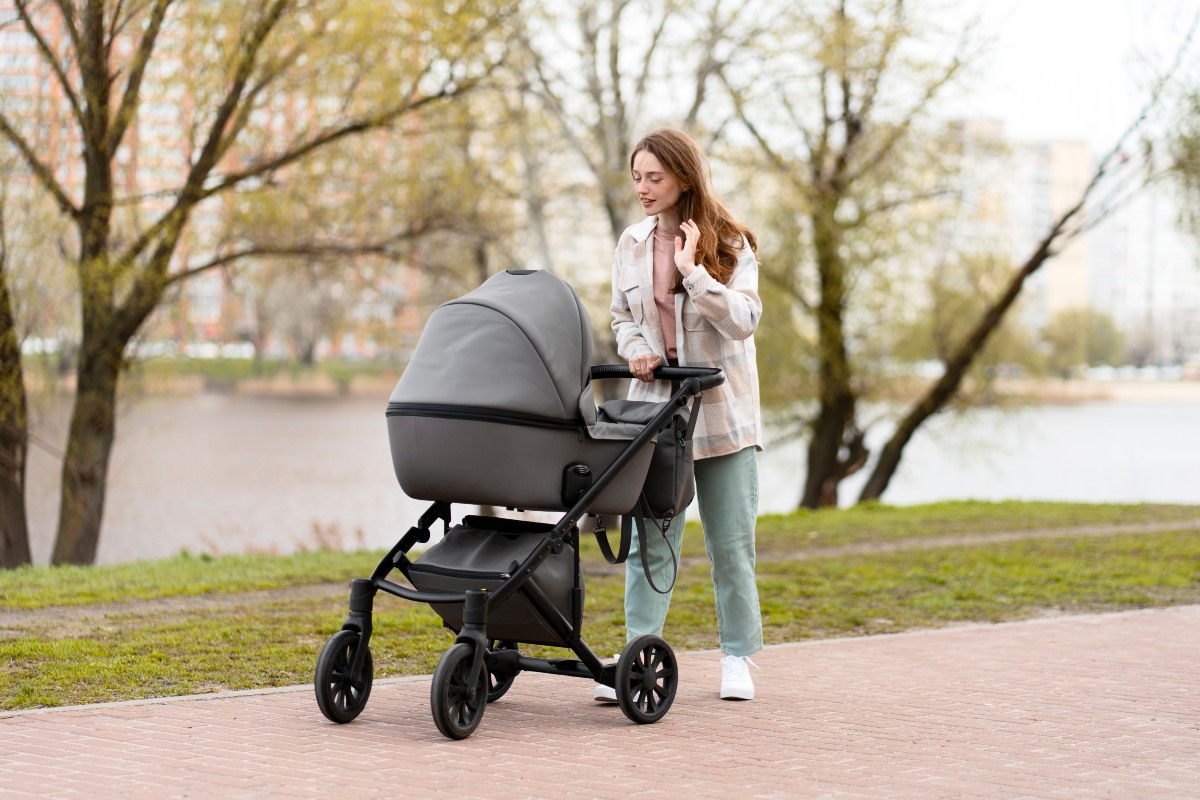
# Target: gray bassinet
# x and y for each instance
(496, 408)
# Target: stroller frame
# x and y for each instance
(644, 677)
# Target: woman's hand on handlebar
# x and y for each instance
(643, 367)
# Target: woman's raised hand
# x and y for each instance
(685, 248)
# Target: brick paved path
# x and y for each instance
(1104, 706)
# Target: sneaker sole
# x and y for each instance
(738, 695)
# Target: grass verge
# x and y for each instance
(58, 648)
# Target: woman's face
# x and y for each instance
(657, 189)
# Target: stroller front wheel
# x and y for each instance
(340, 695)
(457, 698)
(646, 679)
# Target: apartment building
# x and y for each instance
(1136, 264)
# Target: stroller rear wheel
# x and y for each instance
(646, 679)
(457, 698)
(340, 695)
(499, 684)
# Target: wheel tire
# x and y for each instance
(458, 700)
(498, 685)
(646, 679)
(341, 696)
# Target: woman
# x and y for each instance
(685, 292)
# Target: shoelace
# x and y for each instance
(738, 666)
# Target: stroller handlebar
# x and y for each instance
(707, 377)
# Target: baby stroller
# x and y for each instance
(496, 409)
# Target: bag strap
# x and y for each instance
(644, 514)
(644, 517)
(601, 534)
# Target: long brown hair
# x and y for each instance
(721, 236)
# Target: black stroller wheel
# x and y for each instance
(458, 699)
(498, 685)
(340, 695)
(646, 679)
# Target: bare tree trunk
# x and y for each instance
(836, 448)
(14, 438)
(89, 445)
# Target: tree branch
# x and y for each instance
(67, 9)
(130, 97)
(192, 191)
(290, 156)
(318, 251)
(890, 39)
(42, 172)
(898, 132)
(51, 59)
(647, 61)
(781, 164)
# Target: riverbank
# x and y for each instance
(1073, 392)
(1039, 391)
(366, 381)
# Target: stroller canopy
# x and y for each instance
(520, 343)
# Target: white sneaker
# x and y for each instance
(605, 694)
(735, 678)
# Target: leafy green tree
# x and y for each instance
(1185, 156)
(264, 86)
(1081, 337)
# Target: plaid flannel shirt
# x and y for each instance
(714, 327)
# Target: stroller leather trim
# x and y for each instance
(478, 415)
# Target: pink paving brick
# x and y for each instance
(1069, 707)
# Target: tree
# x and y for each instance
(854, 161)
(14, 424)
(1081, 337)
(614, 68)
(1184, 144)
(32, 306)
(1117, 178)
(958, 289)
(268, 84)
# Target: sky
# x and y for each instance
(1073, 69)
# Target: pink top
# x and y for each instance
(664, 281)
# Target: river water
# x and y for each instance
(220, 474)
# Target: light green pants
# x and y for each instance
(727, 491)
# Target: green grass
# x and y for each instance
(230, 371)
(181, 576)
(155, 648)
(879, 523)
